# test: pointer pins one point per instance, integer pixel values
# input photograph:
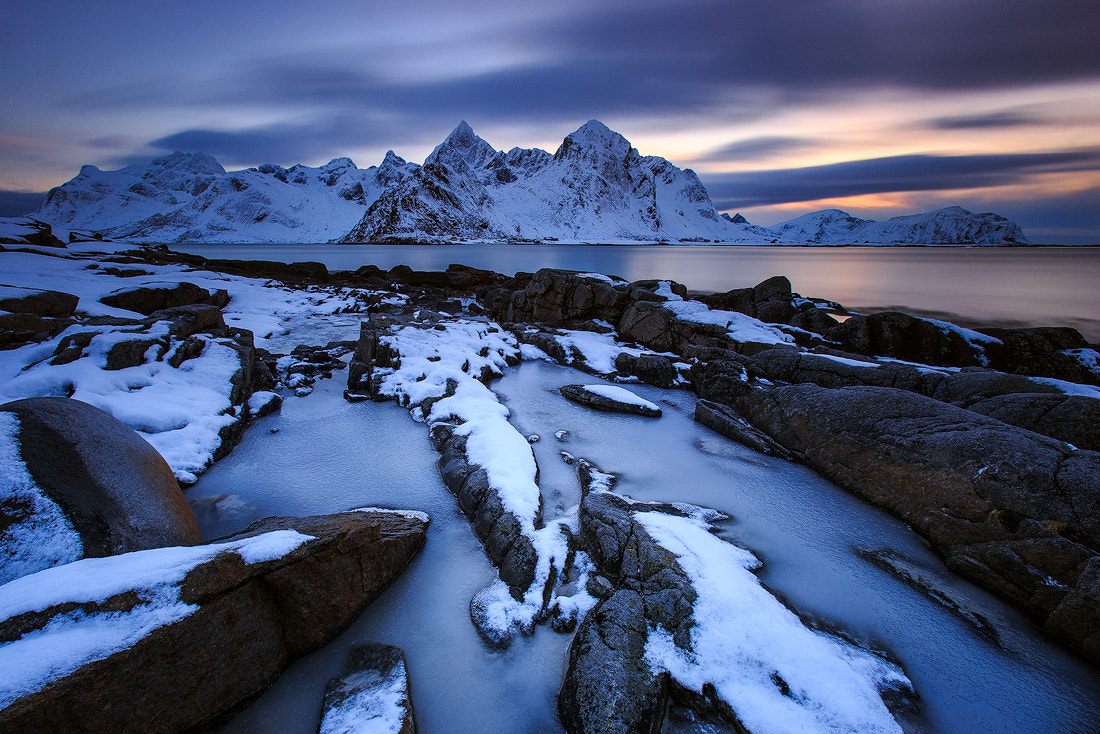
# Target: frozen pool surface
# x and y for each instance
(329, 455)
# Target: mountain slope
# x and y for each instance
(950, 226)
(190, 198)
(595, 188)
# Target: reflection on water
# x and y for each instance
(1034, 286)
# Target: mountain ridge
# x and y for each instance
(596, 187)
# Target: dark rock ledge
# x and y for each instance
(1013, 510)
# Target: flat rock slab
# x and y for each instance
(373, 695)
(610, 398)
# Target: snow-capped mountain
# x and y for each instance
(950, 226)
(595, 188)
(189, 197)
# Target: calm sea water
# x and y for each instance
(1035, 286)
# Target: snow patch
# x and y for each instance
(45, 537)
(739, 327)
(776, 674)
(621, 395)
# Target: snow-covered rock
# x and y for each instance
(168, 639)
(76, 483)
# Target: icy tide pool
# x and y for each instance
(329, 455)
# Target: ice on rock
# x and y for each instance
(44, 537)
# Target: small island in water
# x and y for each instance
(129, 373)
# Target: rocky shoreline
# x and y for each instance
(984, 441)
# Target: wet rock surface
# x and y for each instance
(251, 620)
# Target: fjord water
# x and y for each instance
(328, 455)
(973, 286)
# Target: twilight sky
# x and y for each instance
(877, 107)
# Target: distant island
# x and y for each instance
(596, 188)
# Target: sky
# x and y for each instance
(877, 107)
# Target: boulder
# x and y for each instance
(608, 688)
(259, 599)
(147, 299)
(913, 339)
(1016, 511)
(111, 487)
(771, 300)
(373, 694)
(610, 398)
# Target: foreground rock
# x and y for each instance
(169, 639)
(180, 376)
(82, 485)
(1015, 511)
(373, 696)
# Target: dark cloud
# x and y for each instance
(282, 144)
(812, 45)
(983, 121)
(888, 175)
(760, 147)
(18, 203)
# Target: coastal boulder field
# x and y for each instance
(984, 441)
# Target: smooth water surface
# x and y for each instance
(996, 286)
(329, 455)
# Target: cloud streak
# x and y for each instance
(889, 175)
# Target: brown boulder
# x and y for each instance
(115, 490)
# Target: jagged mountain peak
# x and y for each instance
(339, 164)
(462, 149)
(392, 159)
(593, 138)
(197, 163)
